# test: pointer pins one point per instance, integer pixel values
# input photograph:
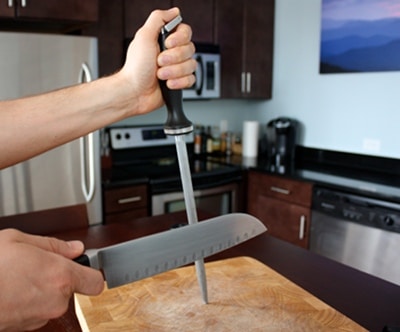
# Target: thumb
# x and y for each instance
(68, 249)
(157, 19)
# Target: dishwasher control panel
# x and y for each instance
(359, 209)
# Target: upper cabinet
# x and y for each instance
(198, 14)
(48, 13)
(6, 8)
(244, 30)
(136, 13)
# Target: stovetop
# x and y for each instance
(146, 154)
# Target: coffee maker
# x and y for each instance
(281, 144)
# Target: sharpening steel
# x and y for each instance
(178, 125)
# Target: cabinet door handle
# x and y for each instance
(302, 227)
(243, 82)
(10, 3)
(248, 82)
(280, 190)
(129, 200)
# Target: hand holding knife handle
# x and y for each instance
(177, 123)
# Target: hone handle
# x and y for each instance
(177, 123)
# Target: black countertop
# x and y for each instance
(358, 174)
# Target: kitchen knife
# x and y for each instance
(178, 125)
(141, 258)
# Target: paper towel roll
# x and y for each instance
(250, 138)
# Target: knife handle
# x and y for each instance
(83, 260)
(177, 123)
(89, 258)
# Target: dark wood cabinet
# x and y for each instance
(244, 30)
(200, 15)
(47, 15)
(110, 33)
(73, 10)
(7, 8)
(282, 204)
(125, 203)
(136, 12)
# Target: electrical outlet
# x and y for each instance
(371, 145)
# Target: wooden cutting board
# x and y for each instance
(244, 295)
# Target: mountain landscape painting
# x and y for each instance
(360, 36)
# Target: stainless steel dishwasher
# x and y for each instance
(358, 231)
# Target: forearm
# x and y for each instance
(32, 125)
(36, 124)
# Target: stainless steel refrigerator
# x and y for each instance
(70, 174)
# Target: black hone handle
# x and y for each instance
(177, 123)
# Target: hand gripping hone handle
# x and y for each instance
(141, 258)
(177, 123)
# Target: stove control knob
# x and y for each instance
(388, 220)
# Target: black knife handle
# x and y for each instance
(177, 123)
(82, 260)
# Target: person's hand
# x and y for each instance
(38, 278)
(145, 64)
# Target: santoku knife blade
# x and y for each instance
(141, 258)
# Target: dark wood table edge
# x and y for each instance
(369, 301)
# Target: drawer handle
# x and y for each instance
(129, 200)
(302, 227)
(280, 190)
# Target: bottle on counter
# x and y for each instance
(229, 142)
(216, 139)
(223, 126)
(197, 140)
(203, 140)
(209, 140)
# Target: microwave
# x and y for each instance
(208, 73)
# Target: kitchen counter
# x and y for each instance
(370, 176)
(369, 301)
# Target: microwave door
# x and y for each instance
(211, 72)
(198, 87)
(195, 91)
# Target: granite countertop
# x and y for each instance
(364, 175)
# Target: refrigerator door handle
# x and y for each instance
(87, 173)
(85, 74)
(87, 144)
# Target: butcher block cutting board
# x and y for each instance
(244, 295)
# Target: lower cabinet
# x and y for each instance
(282, 204)
(125, 203)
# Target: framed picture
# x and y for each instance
(360, 36)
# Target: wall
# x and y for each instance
(356, 113)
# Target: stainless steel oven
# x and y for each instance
(217, 200)
(146, 153)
